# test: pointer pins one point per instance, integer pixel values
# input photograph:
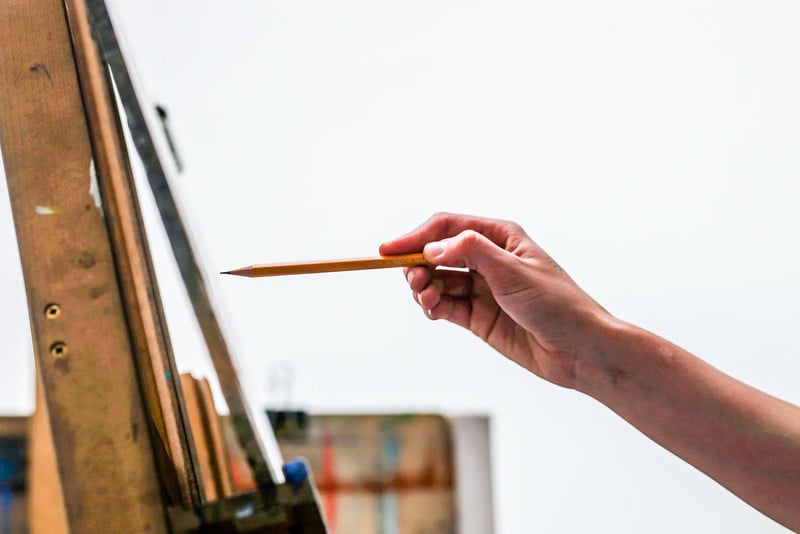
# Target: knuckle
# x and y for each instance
(469, 238)
(439, 217)
(439, 222)
(514, 227)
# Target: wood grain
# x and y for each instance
(155, 362)
(46, 514)
(209, 443)
(85, 359)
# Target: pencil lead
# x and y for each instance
(226, 272)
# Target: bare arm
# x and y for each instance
(517, 299)
(746, 440)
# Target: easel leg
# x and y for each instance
(81, 340)
(45, 502)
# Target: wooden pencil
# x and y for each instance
(329, 266)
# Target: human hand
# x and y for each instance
(517, 299)
(514, 296)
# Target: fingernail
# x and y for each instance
(434, 250)
(419, 298)
(410, 277)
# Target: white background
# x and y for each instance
(653, 148)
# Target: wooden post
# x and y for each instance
(158, 372)
(45, 501)
(80, 334)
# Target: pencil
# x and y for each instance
(329, 266)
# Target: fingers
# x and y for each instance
(455, 297)
(457, 311)
(468, 249)
(424, 280)
(445, 294)
(445, 225)
(418, 278)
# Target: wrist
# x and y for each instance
(616, 357)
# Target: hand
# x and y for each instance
(520, 301)
(514, 296)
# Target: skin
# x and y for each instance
(518, 300)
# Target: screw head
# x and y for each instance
(58, 349)
(52, 311)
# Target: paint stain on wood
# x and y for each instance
(62, 364)
(41, 68)
(97, 292)
(45, 210)
(133, 435)
(86, 259)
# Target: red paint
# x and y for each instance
(329, 500)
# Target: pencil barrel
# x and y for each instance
(326, 266)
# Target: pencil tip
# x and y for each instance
(225, 272)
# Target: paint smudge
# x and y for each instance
(40, 67)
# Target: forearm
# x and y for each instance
(745, 439)
(517, 299)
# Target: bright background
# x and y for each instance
(653, 148)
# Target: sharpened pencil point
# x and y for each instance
(330, 266)
(225, 272)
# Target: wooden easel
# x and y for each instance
(109, 393)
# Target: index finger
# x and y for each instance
(444, 225)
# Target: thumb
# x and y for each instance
(468, 249)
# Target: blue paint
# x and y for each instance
(5, 514)
(12, 477)
(388, 513)
(296, 473)
(8, 468)
(390, 453)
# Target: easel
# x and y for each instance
(109, 392)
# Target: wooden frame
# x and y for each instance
(81, 339)
(112, 410)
